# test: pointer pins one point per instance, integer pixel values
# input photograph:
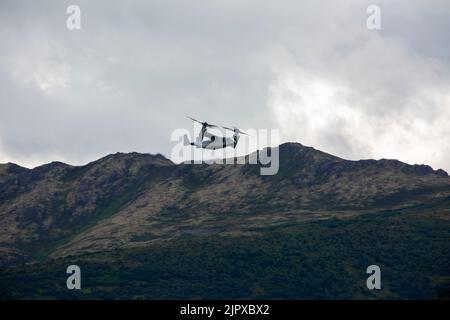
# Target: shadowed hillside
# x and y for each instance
(125, 206)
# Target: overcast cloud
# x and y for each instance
(129, 77)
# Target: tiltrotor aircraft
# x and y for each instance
(213, 141)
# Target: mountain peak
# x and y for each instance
(12, 168)
(130, 157)
(299, 151)
(298, 147)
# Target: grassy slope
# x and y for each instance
(323, 259)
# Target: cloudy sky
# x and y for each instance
(311, 69)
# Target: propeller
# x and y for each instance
(234, 129)
(206, 124)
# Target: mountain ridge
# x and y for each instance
(160, 156)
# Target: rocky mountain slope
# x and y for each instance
(133, 200)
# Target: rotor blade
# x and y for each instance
(203, 123)
(233, 129)
(228, 128)
(243, 132)
(194, 120)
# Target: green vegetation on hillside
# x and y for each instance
(323, 259)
